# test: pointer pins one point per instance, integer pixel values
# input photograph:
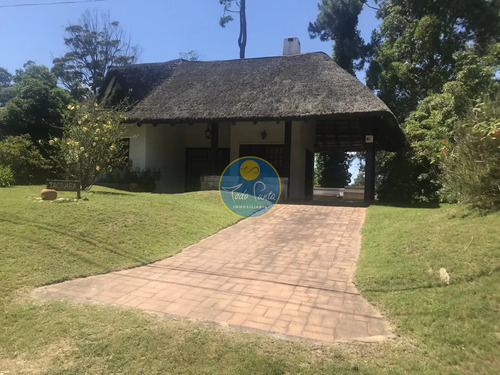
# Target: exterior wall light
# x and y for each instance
(263, 134)
(208, 133)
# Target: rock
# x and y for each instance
(65, 200)
(49, 194)
(444, 276)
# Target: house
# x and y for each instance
(192, 118)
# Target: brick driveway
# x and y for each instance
(288, 272)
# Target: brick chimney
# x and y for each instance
(291, 46)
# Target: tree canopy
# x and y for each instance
(338, 21)
(6, 92)
(416, 43)
(95, 45)
(332, 169)
(37, 104)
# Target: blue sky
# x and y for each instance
(164, 28)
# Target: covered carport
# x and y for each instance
(367, 132)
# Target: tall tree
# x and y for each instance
(417, 40)
(95, 45)
(5, 86)
(338, 21)
(226, 17)
(332, 169)
(37, 106)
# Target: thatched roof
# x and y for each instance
(272, 88)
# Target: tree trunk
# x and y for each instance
(242, 40)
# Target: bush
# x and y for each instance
(92, 142)
(6, 176)
(144, 178)
(404, 177)
(28, 166)
(471, 168)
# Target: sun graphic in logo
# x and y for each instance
(250, 170)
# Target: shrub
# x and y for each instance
(91, 143)
(471, 168)
(28, 166)
(405, 178)
(6, 176)
(144, 178)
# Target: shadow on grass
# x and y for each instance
(469, 279)
(108, 193)
(429, 205)
(101, 244)
(349, 203)
(326, 202)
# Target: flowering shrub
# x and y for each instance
(91, 142)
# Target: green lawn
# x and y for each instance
(456, 325)
(441, 329)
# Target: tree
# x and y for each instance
(471, 171)
(5, 78)
(24, 160)
(190, 56)
(226, 18)
(6, 92)
(91, 143)
(360, 178)
(416, 43)
(431, 129)
(37, 107)
(95, 45)
(338, 21)
(333, 169)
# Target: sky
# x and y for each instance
(164, 28)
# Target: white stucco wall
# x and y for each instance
(164, 147)
(196, 137)
(137, 150)
(247, 133)
(159, 147)
(166, 151)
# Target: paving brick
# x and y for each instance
(288, 272)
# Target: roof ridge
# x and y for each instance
(264, 57)
(214, 61)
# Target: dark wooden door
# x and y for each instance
(273, 154)
(198, 163)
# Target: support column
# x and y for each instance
(288, 153)
(370, 169)
(214, 144)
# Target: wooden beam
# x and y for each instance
(370, 171)
(214, 143)
(288, 152)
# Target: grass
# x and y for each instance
(398, 270)
(442, 329)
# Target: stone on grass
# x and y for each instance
(65, 200)
(49, 194)
(444, 276)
